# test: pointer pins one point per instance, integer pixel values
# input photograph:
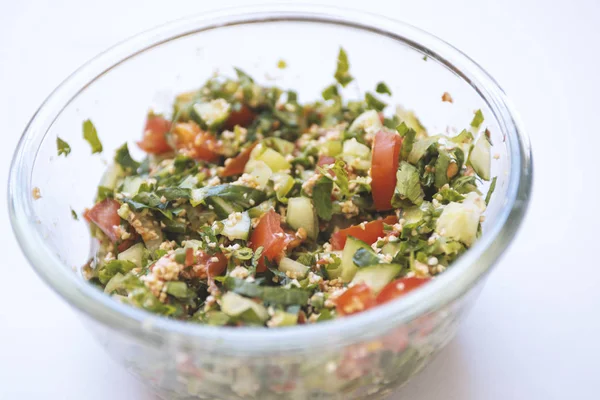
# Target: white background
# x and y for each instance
(535, 331)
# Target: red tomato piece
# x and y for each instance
(242, 117)
(189, 257)
(104, 216)
(268, 234)
(356, 299)
(235, 166)
(368, 234)
(195, 142)
(384, 164)
(398, 288)
(154, 140)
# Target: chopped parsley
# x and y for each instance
(91, 136)
(62, 147)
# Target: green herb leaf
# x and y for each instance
(322, 198)
(477, 119)
(373, 102)
(488, 196)
(271, 294)
(340, 176)
(91, 135)
(409, 135)
(174, 193)
(342, 74)
(326, 315)
(103, 193)
(62, 147)
(123, 158)
(243, 77)
(450, 194)
(383, 88)
(330, 92)
(408, 186)
(74, 215)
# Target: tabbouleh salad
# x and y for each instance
(252, 208)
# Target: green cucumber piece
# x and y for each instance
(235, 228)
(135, 254)
(331, 148)
(282, 183)
(222, 207)
(368, 122)
(391, 248)
(235, 305)
(356, 154)
(262, 208)
(112, 176)
(349, 269)
(301, 214)
(460, 221)
(211, 114)
(131, 185)
(377, 276)
(260, 171)
(272, 158)
(280, 145)
(296, 269)
(480, 158)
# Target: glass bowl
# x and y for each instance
(364, 356)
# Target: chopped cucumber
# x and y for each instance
(331, 148)
(301, 214)
(368, 122)
(131, 185)
(111, 176)
(282, 183)
(420, 148)
(235, 305)
(356, 154)
(262, 208)
(460, 221)
(480, 158)
(260, 171)
(280, 145)
(295, 269)
(272, 158)
(348, 267)
(391, 248)
(411, 120)
(178, 289)
(236, 226)
(377, 276)
(282, 318)
(135, 254)
(211, 114)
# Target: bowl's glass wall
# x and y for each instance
(117, 103)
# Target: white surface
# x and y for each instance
(534, 331)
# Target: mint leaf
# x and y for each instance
(123, 158)
(477, 119)
(383, 88)
(322, 198)
(373, 102)
(343, 66)
(340, 176)
(408, 186)
(62, 147)
(330, 92)
(91, 135)
(408, 139)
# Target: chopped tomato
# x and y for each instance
(154, 140)
(213, 267)
(189, 257)
(398, 288)
(235, 166)
(268, 234)
(369, 233)
(386, 150)
(356, 299)
(104, 216)
(242, 117)
(195, 142)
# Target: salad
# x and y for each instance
(253, 208)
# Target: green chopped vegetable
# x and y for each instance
(62, 147)
(383, 88)
(123, 158)
(342, 74)
(91, 136)
(477, 119)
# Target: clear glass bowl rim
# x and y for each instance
(463, 275)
